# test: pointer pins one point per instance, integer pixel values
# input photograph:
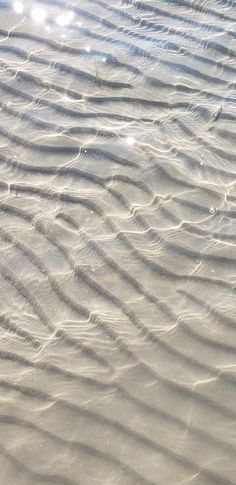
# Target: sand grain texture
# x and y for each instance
(117, 242)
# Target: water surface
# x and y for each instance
(117, 242)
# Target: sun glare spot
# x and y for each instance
(18, 7)
(130, 140)
(65, 19)
(38, 14)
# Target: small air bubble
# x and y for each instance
(88, 49)
(212, 210)
(104, 59)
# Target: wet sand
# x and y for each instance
(117, 242)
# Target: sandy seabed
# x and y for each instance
(117, 242)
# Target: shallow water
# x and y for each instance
(117, 242)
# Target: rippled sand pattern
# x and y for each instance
(117, 242)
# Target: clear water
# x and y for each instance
(117, 242)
